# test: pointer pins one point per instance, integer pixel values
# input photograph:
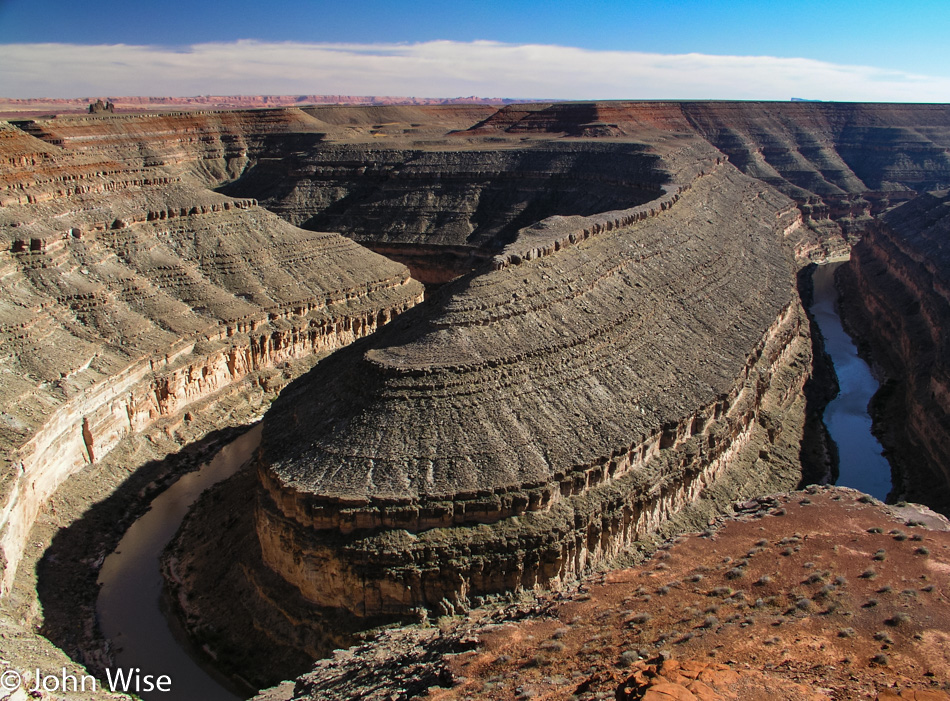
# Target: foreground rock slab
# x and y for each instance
(824, 594)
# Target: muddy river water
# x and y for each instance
(128, 605)
(131, 585)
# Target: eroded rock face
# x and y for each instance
(130, 290)
(460, 419)
(842, 163)
(897, 295)
(445, 212)
(542, 416)
(634, 335)
(823, 594)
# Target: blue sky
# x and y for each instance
(872, 50)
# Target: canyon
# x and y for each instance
(897, 290)
(610, 339)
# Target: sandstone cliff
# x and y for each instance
(897, 296)
(130, 290)
(541, 416)
(770, 604)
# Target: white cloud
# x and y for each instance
(441, 69)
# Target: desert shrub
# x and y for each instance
(898, 619)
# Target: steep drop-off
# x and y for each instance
(897, 295)
(625, 337)
(842, 163)
(130, 291)
(541, 416)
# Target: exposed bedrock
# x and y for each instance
(445, 212)
(534, 420)
(129, 291)
(841, 162)
(897, 300)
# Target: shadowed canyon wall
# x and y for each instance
(141, 272)
(897, 292)
(130, 290)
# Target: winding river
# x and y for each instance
(861, 464)
(128, 607)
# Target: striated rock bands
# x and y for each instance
(897, 293)
(625, 337)
(128, 290)
(445, 212)
(542, 416)
(769, 603)
(841, 162)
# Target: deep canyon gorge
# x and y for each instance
(495, 350)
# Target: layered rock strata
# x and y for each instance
(769, 603)
(131, 291)
(539, 417)
(896, 292)
(445, 212)
(842, 163)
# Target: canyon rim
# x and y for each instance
(536, 338)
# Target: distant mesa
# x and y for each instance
(99, 107)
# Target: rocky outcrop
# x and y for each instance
(99, 106)
(131, 291)
(896, 292)
(841, 163)
(446, 212)
(516, 436)
(809, 595)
